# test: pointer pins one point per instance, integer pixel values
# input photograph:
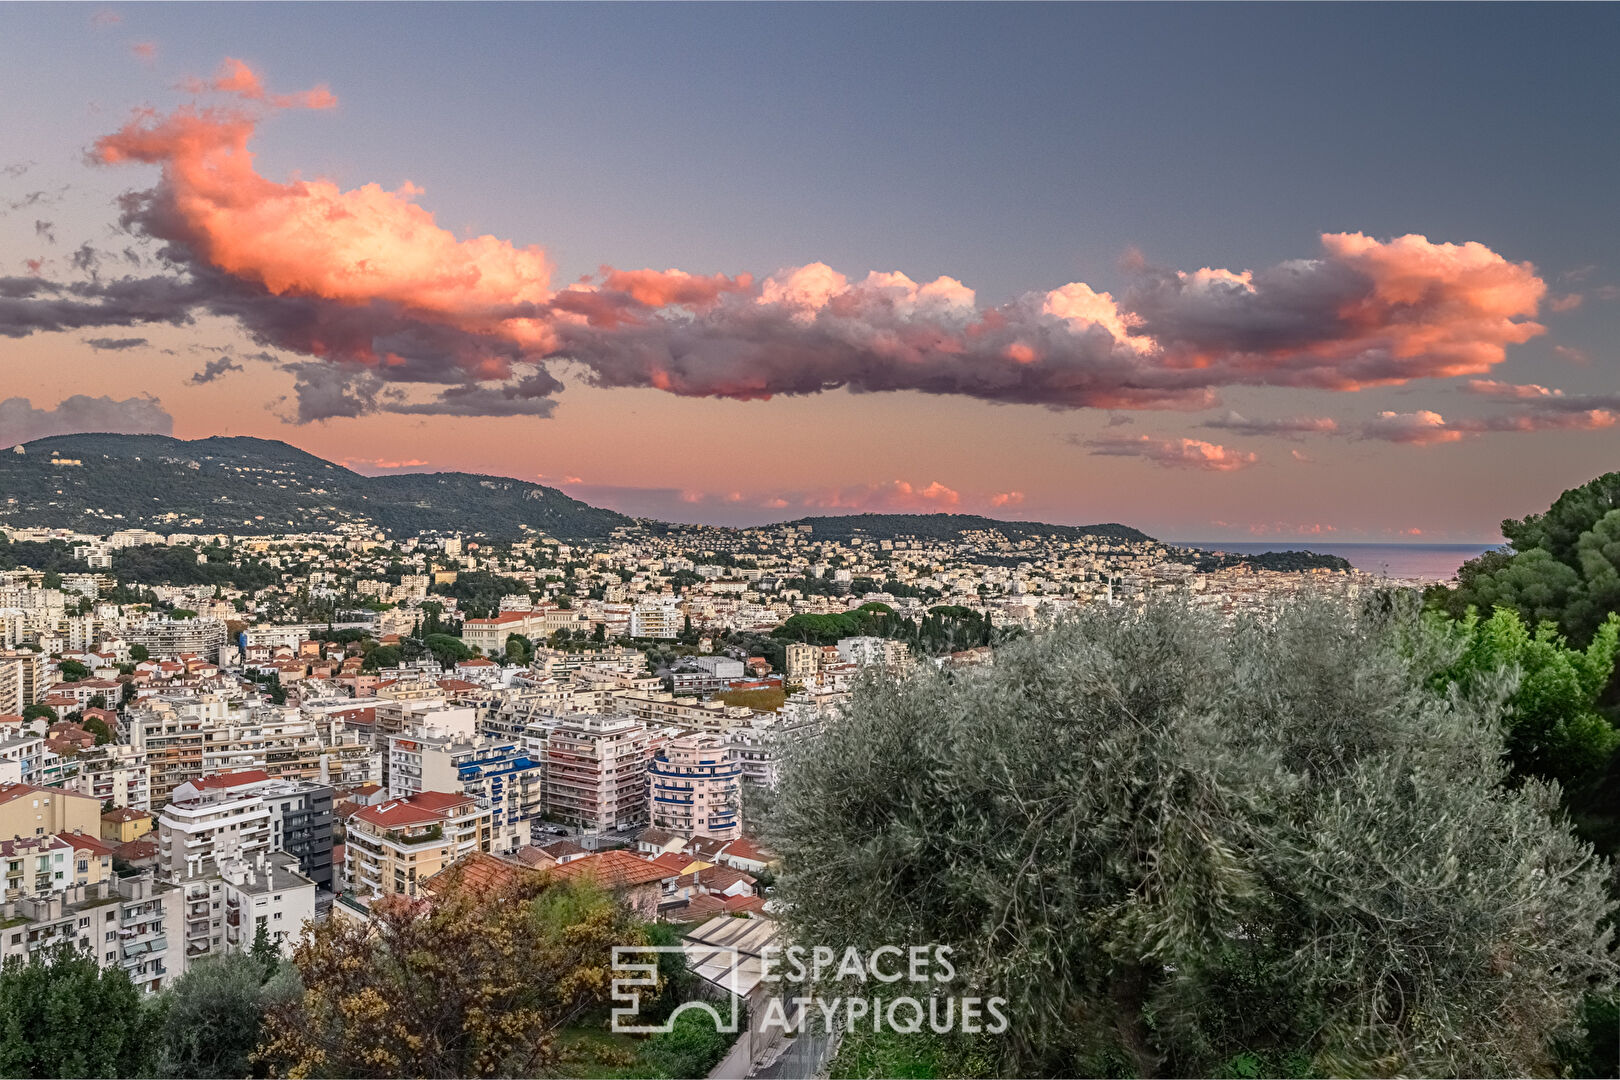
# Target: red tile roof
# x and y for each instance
(480, 870)
(703, 906)
(425, 808)
(85, 842)
(226, 780)
(614, 869)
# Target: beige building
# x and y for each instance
(802, 662)
(537, 624)
(394, 846)
(26, 810)
(172, 733)
(22, 679)
(694, 788)
(278, 739)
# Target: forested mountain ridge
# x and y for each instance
(236, 484)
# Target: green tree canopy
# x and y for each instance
(1564, 566)
(519, 649)
(1553, 727)
(1182, 848)
(61, 1014)
(215, 1013)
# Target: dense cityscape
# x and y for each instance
(809, 541)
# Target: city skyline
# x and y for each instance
(1272, 279)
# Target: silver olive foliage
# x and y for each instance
(1171, 842)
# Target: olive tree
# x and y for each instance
(1183, 847)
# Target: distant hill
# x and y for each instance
(951, 526)
(248, 485)
(251, 485)
(1286, 561)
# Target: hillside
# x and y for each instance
(260, 485)
(951, 526)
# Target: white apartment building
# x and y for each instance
(168, 638)
(883, 652)
(115, 773)
(213, 818)
(128, 923)
(501, 774)
(661, 617)
(224, 904)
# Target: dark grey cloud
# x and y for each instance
(214, 369)
(21, 422)
(45, 230)
(103, 344)
(1288, 427)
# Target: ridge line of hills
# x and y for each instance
(101, 482)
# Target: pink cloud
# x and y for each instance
(1426, 428)
(364, 280)
(1567, 302)
(1421, 428)
(1284, 528)
(145, 51)
(894, 495)
(1007, 498)
(1175, 453)
(1507, 391)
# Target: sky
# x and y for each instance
(1218, 272)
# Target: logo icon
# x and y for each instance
(640, 965)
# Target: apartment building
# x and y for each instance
(213, 818)
(502, 774)
(22, 680)
(882, 652)
(654, 707)
(171, 638)
(224, 904)
(662, 617)
(694, 788)
(394, 846)
(596, 771)
(171, 731)
(129, 923)
(27, 810)
(113, 773)
(705, 674)
(802, 662)
(276, 738)
(240, 816)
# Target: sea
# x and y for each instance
(1424, 562)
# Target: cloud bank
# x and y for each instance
(366, 283)
(21, 422)
(1174, 453)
